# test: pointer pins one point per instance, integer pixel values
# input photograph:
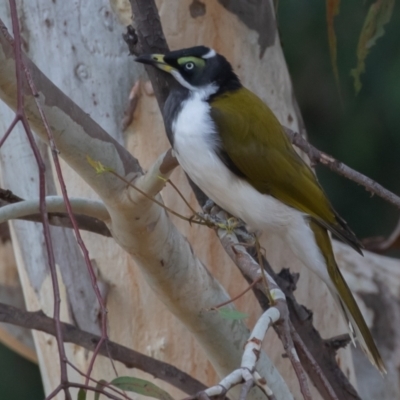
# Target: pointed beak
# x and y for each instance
(156, 60)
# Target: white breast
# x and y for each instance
(195, 144)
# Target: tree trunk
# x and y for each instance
(78, 46)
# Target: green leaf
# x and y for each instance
(140, 386)
(378, 16)
(228, 313)
(82, 394)
(332, 10)
(101, 384)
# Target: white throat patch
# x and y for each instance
(204, 92)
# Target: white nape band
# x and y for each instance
(210, 54)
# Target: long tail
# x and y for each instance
(346, 302)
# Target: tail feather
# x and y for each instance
(345, 300)
(358, 329)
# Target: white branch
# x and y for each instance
(90, 208)
(251, 353)
(253, 346)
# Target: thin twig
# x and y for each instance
(10, 129)
(264, 278)
(300, 346)
(182, 197)
(238, 296)
(124, 395)
(317, 156)
(188, 219)
(381, 244)
(92, 274)
(20, 115)
(285, 335)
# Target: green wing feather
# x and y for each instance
(256, 144)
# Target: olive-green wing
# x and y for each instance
(254, 143)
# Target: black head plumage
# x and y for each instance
(200, 66)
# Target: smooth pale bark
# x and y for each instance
(91, 66)
(144, 231)
(375, 281)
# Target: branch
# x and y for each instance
(90, 224)
(149, 38)
(130, 358)
(54, 204)
(318, 359)
(316, 356)
(247, 374)
(381, 244)
(252, 272)
(317, 156)
(138, 225)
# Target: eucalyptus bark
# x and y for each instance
(94, 70)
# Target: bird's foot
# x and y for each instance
(230, 224)
(208, 206)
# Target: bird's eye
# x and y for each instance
(189, 66)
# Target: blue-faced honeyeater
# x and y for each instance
(235, 150)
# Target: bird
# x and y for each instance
(232, 146)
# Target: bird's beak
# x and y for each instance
(156, 60)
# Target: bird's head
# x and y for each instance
(196, 68)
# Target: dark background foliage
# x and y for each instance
(19, 378)
(361, 130)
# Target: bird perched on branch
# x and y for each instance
(233, 147)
